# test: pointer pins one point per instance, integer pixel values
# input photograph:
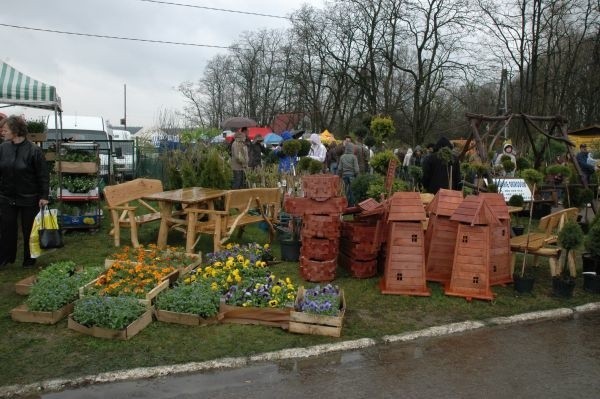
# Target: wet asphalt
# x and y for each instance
(549, 359)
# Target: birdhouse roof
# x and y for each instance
(498, 204)
(474, 210)
(445, 202)
(406, 207)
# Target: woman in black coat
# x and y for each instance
(437, 172)
(24, 183)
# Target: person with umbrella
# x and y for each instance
(239, 159)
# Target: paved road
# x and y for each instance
(553, 359)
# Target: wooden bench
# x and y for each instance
(241, 208)
(543, 242)
(128, 209)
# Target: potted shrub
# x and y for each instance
(570, 238)
(524, 282)
(591, 258)
(289, 240)
(517, 200)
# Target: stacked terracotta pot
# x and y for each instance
(321, 209)
(359, 247)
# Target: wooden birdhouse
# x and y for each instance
(404, 272)
(473, 249)
(440, 237)
(500, 249)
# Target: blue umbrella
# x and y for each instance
(272, 138)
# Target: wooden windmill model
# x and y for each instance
(404, 272)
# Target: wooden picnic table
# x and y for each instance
(192, 196)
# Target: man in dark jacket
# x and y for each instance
(255, 151)
(441, 168)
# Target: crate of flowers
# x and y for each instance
(52, 295)
(109, 317)
(181, 262)
(127, 278)
(319, 311)
(265, 300)
(191, 303)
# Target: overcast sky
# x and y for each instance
(89, 73)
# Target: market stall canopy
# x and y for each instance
(238, 122)
(327, 137)
(16, 88)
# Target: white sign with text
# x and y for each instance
(513, 186)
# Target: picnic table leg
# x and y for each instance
(166, 209)
(190, 238)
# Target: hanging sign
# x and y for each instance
(513, 186)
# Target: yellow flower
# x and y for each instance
(247, 262)
(214, 286)
(229, 279)
(266, 246)
(276, 289)
(288, 280)
(273, 303)
(238, 279)
(291, 296)
(290, 287)
(240, 258)
(187, 280)
(229, 246)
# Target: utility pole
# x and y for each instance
(124, 119)
(505, 81)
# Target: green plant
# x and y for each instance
(320, 300)
(380, 161)
(523, 163)
(304, 148)
(215, 171)
(507, 164)
(570, 237)
(592, 239)
(309, 165)
(532, 177)
(79, 183)
(377, 187)
(36, 126)
(108, 312)
(360, 186)
(57, 286)
(382, 127)
(197, 298)
(291, 148)
(516, 200)
(79, 156)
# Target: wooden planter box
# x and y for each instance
(318, 271)
(187, 319)
(76, 167)
(22, 287)
(135, 327)
(321, 187)
(306, 323)
(319, 248)
(272, 317)
(22, 314)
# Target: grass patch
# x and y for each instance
(33, 352)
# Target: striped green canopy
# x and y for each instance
(19, 89)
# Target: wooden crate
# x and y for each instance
(37, 137)
(306, 323)
(187, 319)
(22, 287)
(22, 314)
(147, 301)
(135, 327)
(272, 317)
(76, 167)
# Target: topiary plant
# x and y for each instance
(292, 147)
(381, 160)
(570, 237)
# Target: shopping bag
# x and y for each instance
(49, 233)
(34, 238)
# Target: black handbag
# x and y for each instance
(50, 236)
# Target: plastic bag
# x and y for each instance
(50, 218)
